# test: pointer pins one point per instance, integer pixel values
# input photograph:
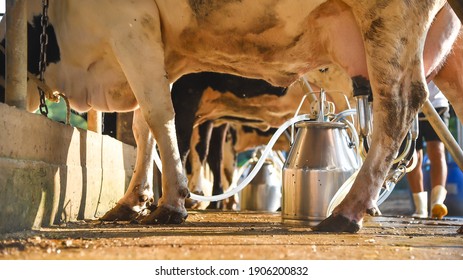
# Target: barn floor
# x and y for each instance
(234, 236)
(227, 235)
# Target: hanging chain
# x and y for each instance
(43, 56)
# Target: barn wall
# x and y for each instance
(52, 173)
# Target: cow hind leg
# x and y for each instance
(199, 152)
(399, 89)
(215, 160)
(392, 119)
(450, 82)
(449, 79)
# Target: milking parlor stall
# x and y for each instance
(60, 173)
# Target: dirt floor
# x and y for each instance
(234, 236)
(218, 235)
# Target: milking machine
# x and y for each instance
(322, 157)
(323, 162)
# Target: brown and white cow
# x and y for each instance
(122, 55)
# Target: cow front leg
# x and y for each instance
(393, 116)
(171, 206)
(139, 195)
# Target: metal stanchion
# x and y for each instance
(460, 133)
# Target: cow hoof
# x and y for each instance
(120, 213)
(337, 223)
(191, 203)
(460, 230)
(374, 211)
(164, 215)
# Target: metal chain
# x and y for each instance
(43, 56)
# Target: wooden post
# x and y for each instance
(95, 121)
(16, 53)
(124, 128)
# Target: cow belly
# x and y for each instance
(280, 51)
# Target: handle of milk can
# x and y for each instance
(295, 115)
(321, 108)
(341, 117)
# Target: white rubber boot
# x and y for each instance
(438, 208)
(421, 205)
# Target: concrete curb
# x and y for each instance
(52, 173)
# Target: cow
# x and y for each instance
(122, 56)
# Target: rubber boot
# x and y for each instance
(438, 208)
(421, 205)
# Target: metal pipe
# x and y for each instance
(307, 89)
(460, 133)
(16, 54)
(321, 109)
(363, 115)
(443, 133)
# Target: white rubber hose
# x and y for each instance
(254, 171)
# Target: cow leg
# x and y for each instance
(229, 166)
(139, 195)
(449, 79)
(198, 155)
(399, 88)
(450, 82)
(215, 161)
(138, 48)
(392, 119)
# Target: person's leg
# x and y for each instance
(436, 154)
(415, 180)
(415, 177)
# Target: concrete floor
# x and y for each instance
(227, 235)
(214, 235)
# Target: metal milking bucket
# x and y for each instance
(263, 193)
(321, 159)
